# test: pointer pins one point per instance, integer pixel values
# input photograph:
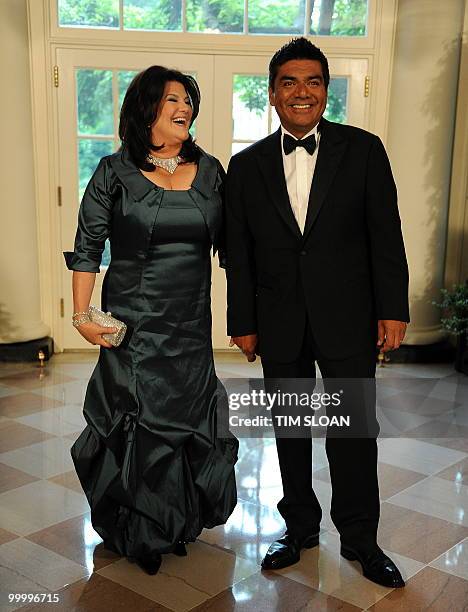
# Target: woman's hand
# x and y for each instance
(92, 332)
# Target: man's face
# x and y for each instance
(299, 96)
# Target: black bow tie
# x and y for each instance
(290, 143)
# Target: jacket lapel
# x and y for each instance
(270, 162)
(205, 197)
(331, 149)
(137, 185)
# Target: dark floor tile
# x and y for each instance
(11, 478)
(416, 535)
(268, 593)
(25, 403)
(98, 594)
(15, 435)
(68, 539)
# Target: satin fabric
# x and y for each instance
(149, 461)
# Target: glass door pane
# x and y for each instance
(339, 18)
(79, 13)
(276, 16)
(99, 96)
(162, 15)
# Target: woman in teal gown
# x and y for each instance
(150, 460)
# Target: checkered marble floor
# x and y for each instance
(48, 546)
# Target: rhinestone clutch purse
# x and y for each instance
(107, 320)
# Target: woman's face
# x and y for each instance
(172, 123)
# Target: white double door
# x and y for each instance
(233, 113)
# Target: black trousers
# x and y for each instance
(355, 504)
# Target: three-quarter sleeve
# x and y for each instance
(94, 221)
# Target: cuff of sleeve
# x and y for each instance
(80, 263)
(241, 331)
(393, 316)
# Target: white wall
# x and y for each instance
(20, 318)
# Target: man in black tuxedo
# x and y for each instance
(317, 272)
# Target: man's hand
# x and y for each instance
(390, 334)
(246, 344)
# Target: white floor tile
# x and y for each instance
(416, 455)
(6, 391)
(57, 421)
(40, 565)
(436, 497)
(454, 561)
(43, 459)
(395, 422)
(38, 505)
(72, 392)
(15, 583)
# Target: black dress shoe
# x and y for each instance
(108, 546)
(150, 564)
(287, 550)
(180, 549)
(376, 566)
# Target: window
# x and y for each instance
(280, 17)
(99, 97)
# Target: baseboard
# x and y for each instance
(438, 352)
(27, 351)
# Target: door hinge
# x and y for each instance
(56, 76)
(62, 307)
(59, 195)
(366, 86)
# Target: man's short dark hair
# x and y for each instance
(297, 48)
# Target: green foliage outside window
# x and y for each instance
(278, 17)
(153, 14)
(329, 17)
(341, 18)
(95, 107)
(253, 92)
(215, 15)
(94, 13)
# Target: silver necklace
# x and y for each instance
(166, 163)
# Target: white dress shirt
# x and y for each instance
(299, 167)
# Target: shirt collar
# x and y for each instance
(312, 131)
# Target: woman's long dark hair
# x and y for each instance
(140, 108)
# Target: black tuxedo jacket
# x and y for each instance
(347, 270)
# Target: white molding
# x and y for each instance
(44, 142)
(381, 67)
(456, 266)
